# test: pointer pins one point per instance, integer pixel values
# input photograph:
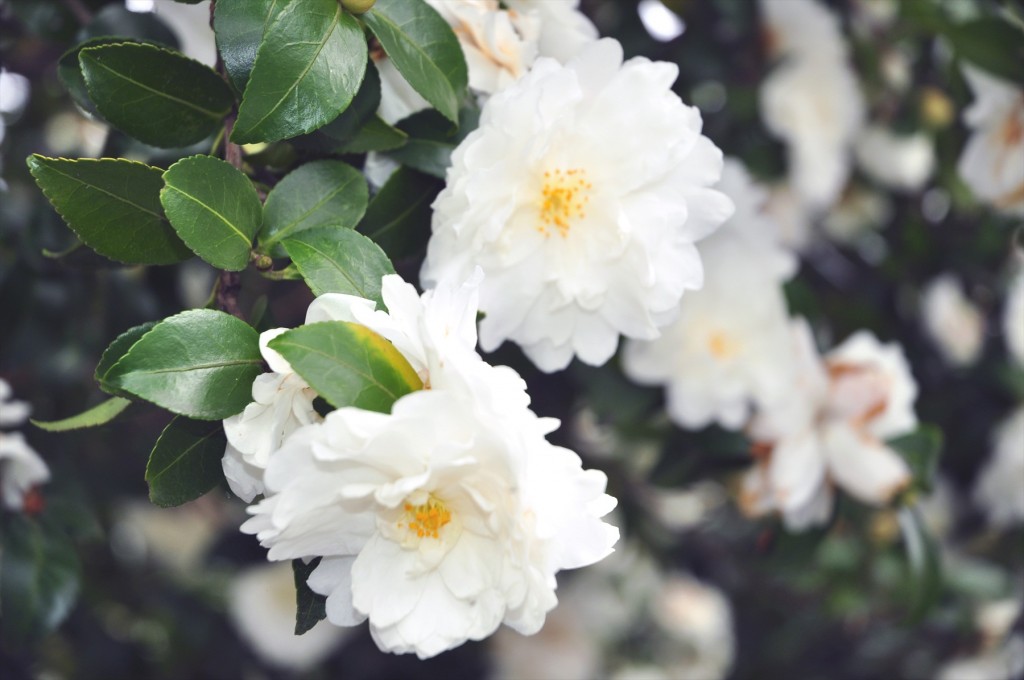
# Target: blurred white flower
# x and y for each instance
(262, 606)
(1004, 662)
(831, 430)
(722, 353)
(439, 521)
(698, 618)
(900, 162)
(992, 163)
(1013, 318)
(792, 215)
(811, 99)
(564, 30)
(172, 538)
(21, 468)
(581, 206)
(859, 212)
(998, 489)
(952, 321)
(435, 333)
(191, 24)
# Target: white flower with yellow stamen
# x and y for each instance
(992, 163)
(722, 354)
(436, 522)
(581, 196)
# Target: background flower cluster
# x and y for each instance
(819, 465)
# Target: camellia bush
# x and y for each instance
(521, 339)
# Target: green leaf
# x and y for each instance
(158, 96)
(924, 564)
(239, 27)
(185, 463)
(214, 208)
(432, 140)
(921, 449)
(199, 363)
(315, 195)
(398, 218)
(70, 73)
(112, 205)
(424, 49)
(339, 261)
(375, 135)
(992, 45)
(311, 608)
(39, 575)
(117, 349)
(348, 364)
(363, 108)
(308, 68)
(98, 415)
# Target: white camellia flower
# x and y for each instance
(282, 403)
(1013, 318)
(261, 603)
(581, 205)
(564, 30)
(811, 99)
(900, 162)
(436, 522)
(722, 352)
(998, 489)
(21, 468)
(953, 322)
(992, 163)
(832, 431)
(431, 332)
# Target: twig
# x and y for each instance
(81, 12)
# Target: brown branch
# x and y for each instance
(228, 287)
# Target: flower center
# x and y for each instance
(427, 519)
(563, 198)
(721, 345)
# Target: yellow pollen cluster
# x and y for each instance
(562, 200)
(721, 345)
(427, 519)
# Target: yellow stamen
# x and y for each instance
(564, 196)
(427, 519)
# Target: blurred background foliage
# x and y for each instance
(846, 601)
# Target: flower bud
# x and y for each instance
(358, 6)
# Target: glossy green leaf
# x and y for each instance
(432, 140)
(186, 461)
(98, 415)
(117, 349)
(239, 27)
(398, 218)
(311, 608)
(921, 449)
(155, 95)
(374, 135)
(214, 208)
(70, 73)
(924, 564)
(39, 575)
(348, 364)
(308, 68)
(992, 45)
(316, 194)
(363, 107)
(200, 363)
(112, 205)
(339, 261)
(424, 49)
